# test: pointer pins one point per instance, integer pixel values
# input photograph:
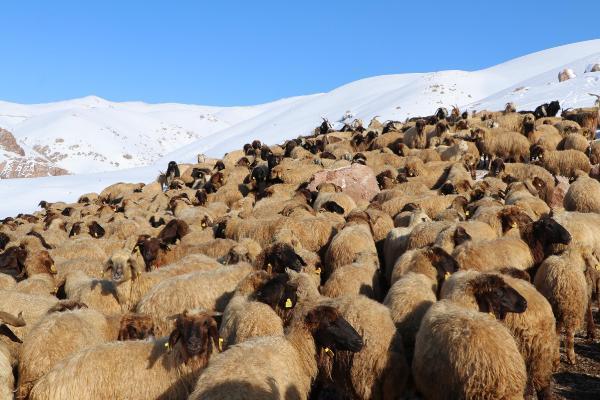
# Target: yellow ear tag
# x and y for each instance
(467, 213)
(75, 234)
(220, 344)
(167, 345)
(329, 352)
(318, 271)
(52, 268)
(203, 225)
(514, 225)
(288, 303)
(136, 249)
(597, 267)
(447, 275)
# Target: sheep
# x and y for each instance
(280, 366)
(356, 237)
(132, 284)
(520, 172)
(99, 294)
(209, 290)
(583, 195)
(533, 330)
(455, 235)
(7, 380)
(465, 353)
(379, 369)
(575, 141)
(165, 368)
(359, 277)
(595, 152)
(585, 117)
(525, 195)
(503, 144)
(38, 284)
(61, 334)
(529, 250)
(564, 162)
(395, 242)
(430, 261)
(250, 312)
(562, 280)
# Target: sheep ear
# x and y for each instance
(213, 333)
(6, 331)
(135, 268)
(174, 338)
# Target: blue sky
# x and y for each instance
(249, 52)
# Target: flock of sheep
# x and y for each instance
(398, 274)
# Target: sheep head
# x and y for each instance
(278, 257)
(96, 230)
(460, 236)
(444, 263)
(331, 331)
(123, 267)
(135, 327)
(174, 231)
(494, 295)
(549, 231)
(278, 294)
(193, 333)
(75, 229)
(513, 217)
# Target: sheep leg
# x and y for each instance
(545, 393)
(570, 345)
(590, 322)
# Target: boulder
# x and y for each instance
(357, 181)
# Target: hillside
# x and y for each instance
(101, 142)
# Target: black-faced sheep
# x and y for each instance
(562, 280)
(165, 368)
(466, 353)
(61, 334)
(280, 366)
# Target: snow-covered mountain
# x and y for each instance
(94, 135)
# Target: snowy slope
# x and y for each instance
(92, 134)
(528, 81)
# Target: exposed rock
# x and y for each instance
(9, 143)
(357, 181)
(21, 167)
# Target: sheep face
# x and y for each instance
(13, 258)
(155, 223)
(333, 207)
(513, 218)
(194, 333)
(460, 236)
(494, 295)
(75, 229)
(95, 230)
(45, 260)
(122, 268)
(279, 294)
(281, 256)
(136, 327)
(443, 262)
(331, 331)
(4, 240)
(550, 231)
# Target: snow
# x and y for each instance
(153, 134)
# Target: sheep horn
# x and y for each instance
(11, 319)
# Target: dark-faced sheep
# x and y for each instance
(165, 368)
